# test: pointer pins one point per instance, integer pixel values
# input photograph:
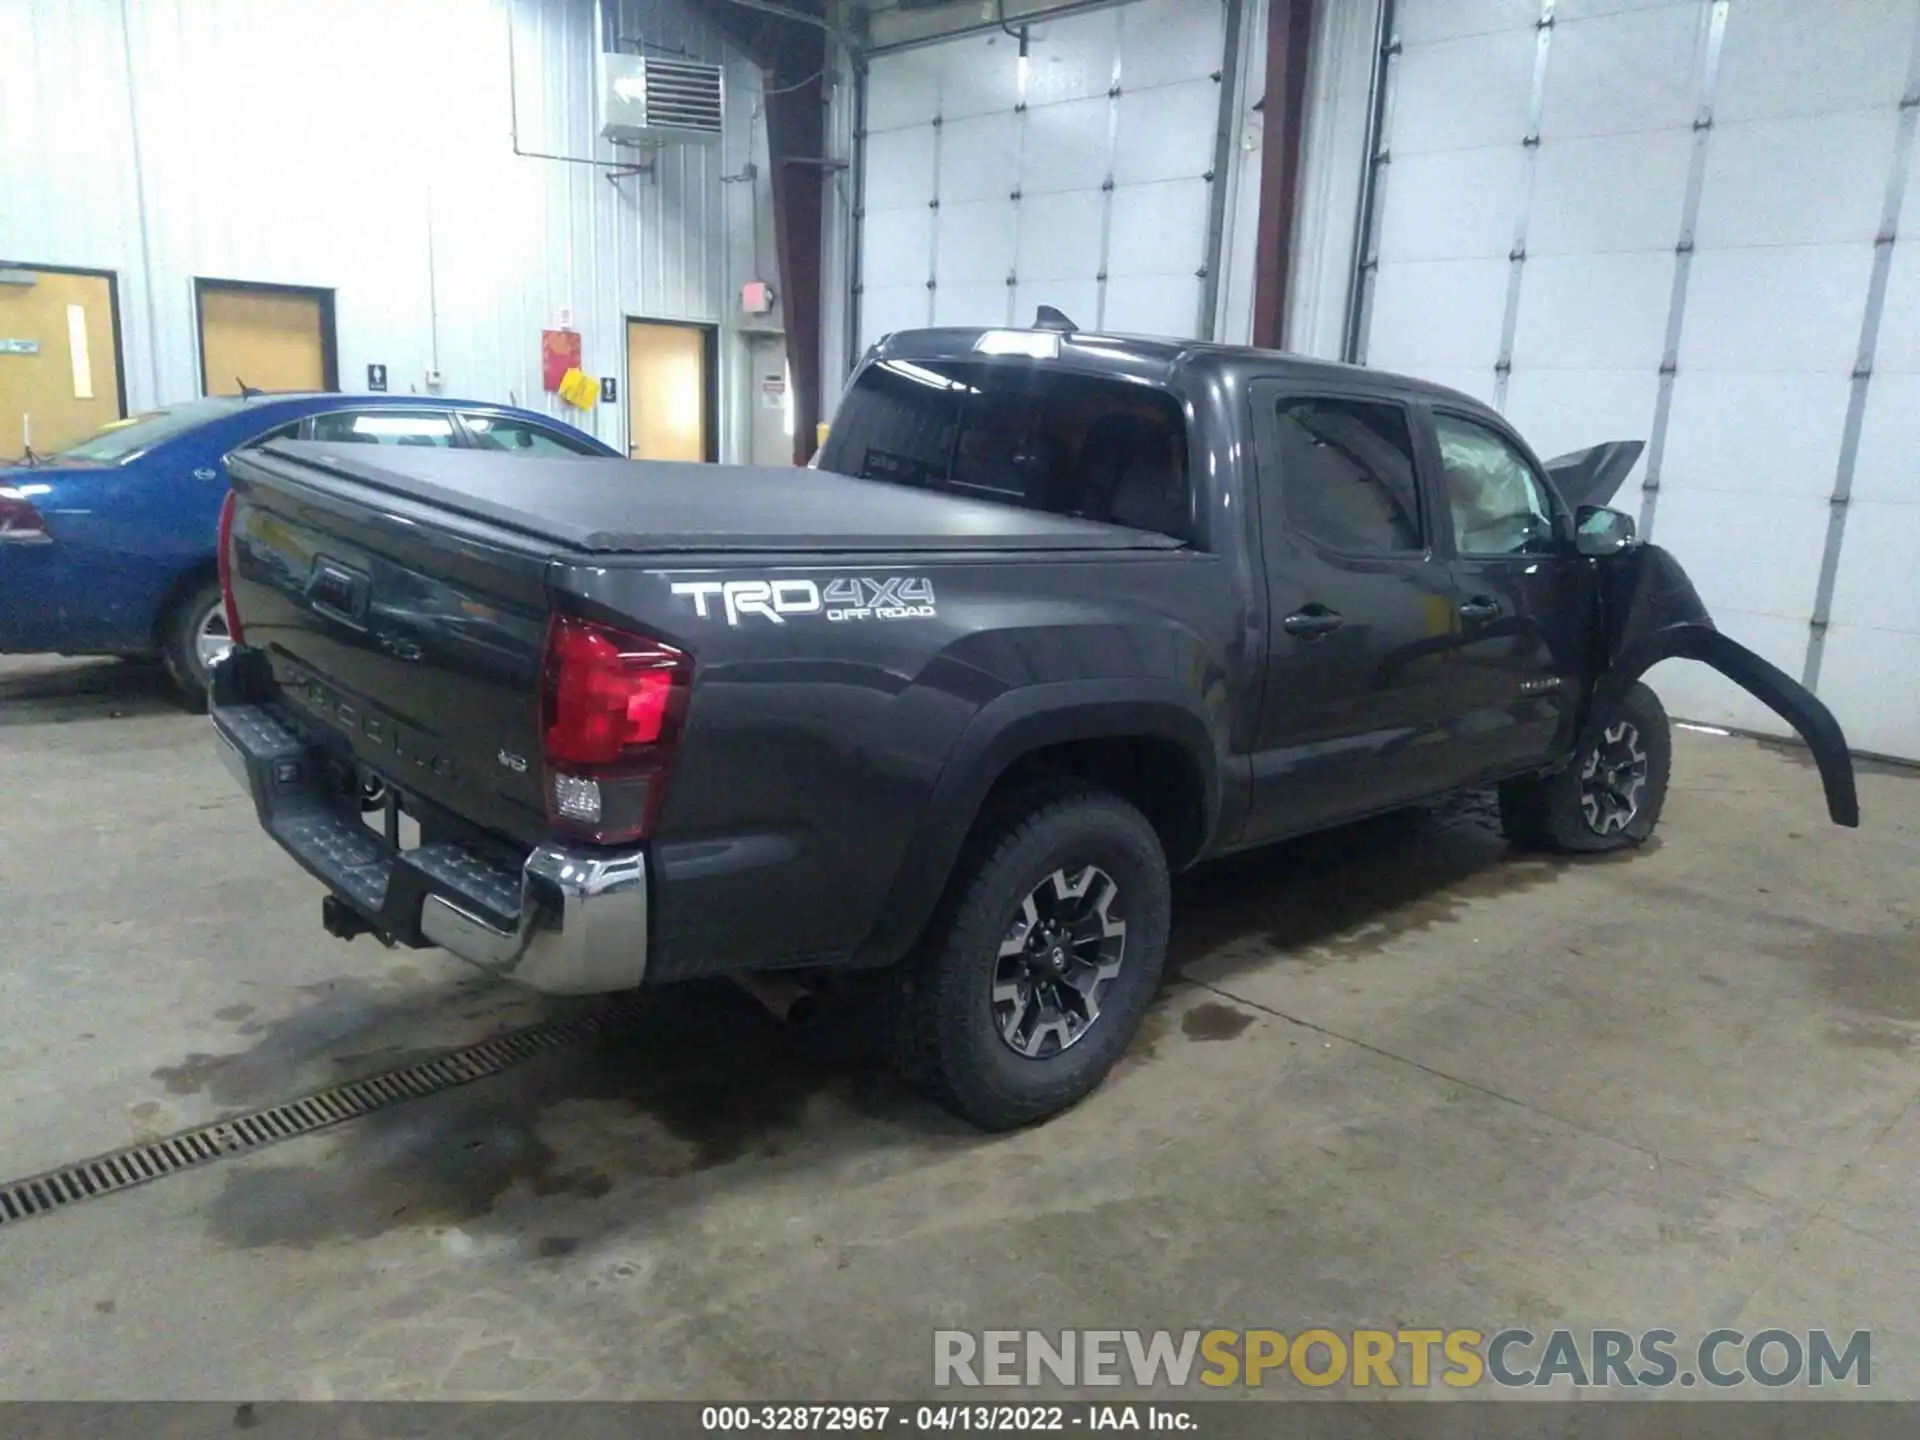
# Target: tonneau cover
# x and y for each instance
(647, 507)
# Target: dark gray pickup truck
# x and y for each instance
(1055, 616)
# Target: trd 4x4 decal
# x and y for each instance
(843, 598)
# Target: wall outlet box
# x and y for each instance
(433, 380)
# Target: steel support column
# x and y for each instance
(796, 145)
(1283, 113)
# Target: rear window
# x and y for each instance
(1019, 433)
(124, 439)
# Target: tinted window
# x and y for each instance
(1498, 504)
(1347, 474)
(501, 432)
(384, 427)
(1021, 434)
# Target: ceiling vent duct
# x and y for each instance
(645, 100)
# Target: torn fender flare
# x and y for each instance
(1767, 683)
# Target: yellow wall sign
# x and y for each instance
(579, 389)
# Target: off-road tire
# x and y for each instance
(941, 1015)
(1550, 813)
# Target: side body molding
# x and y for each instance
(1653, 613)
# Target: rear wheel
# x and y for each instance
(1611, 795)
(1034, 977)
(196, 640)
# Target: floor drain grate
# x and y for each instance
(138, 1164)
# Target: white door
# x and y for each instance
(1077, 178)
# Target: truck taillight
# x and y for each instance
(612, 708)
(223, 541)
(20, 523)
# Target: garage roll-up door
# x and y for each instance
(1679, 221)
(1077, 179)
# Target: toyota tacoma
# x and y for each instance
(1054, 616)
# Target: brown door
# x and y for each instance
(266, 337)
(59, 358)
(670, 393)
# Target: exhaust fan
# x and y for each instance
(645, 100)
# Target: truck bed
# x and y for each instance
(652, 507)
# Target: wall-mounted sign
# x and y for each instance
(19, 347)
(773, 392)
(609, 389)
(376, 377)
(579, 389)
(559, 353)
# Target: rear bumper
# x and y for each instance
(568, 922)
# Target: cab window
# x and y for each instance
(1499, 506)
(1347, 475)
(1019, 434)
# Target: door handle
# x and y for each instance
(1312, 622)
(1480, 609)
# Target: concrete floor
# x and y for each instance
(1402, 1077)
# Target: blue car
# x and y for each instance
(107, 548)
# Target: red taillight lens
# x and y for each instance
(20, 523)
(223, 542)
(612, 707)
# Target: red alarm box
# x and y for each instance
(559, 353)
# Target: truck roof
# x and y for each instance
(657, 507)
(1152, 358)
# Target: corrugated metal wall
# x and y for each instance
(365, 146)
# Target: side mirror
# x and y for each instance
(1599, 531)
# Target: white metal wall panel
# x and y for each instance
(1871, 666)
(1087, 191)
(1439, 286)
(1620, 272)
(367, 150)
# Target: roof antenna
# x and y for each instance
(247, 392)
(1048, 318)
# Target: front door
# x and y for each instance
(1353, 710)
(1524, 598)
(264, 337)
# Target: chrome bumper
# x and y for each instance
(571, 922)
(588, 936)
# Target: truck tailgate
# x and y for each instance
(409, 638)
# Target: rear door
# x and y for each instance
(1524, 598)
(1353, 711)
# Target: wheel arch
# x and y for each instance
(205, 570)
(1116, 734)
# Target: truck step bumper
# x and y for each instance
(568, 922)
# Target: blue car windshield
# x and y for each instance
(137, 433)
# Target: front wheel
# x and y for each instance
(1610, 796)
(1034, 978)
(196, 640)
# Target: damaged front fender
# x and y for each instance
(1653, 613)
